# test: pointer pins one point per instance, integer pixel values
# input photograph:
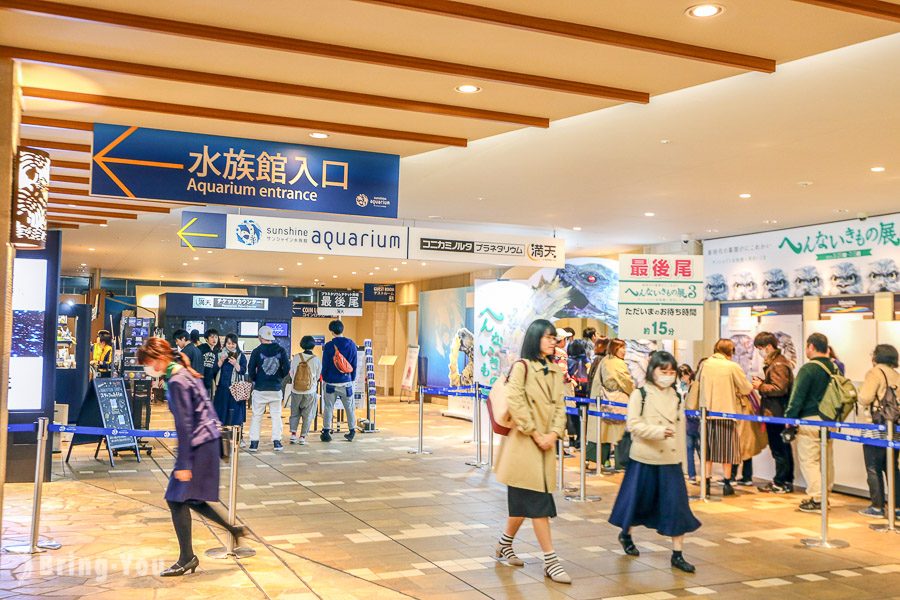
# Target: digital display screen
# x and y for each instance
(280, 329)
(248, 328)
(191, 325)
(26, 364)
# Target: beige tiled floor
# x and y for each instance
(369, 521)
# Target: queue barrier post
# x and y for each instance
(477, 438)
(891, 484)
(229, 550)
(703, 496)
(823, 541)
(35, 544)
(582, 492)
(420, 448)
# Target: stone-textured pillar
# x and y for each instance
(10, 113)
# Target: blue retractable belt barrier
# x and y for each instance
(449, 391)
(22, 427)
(53, 427)
(864, 440)
(809, 423)
(611, 403)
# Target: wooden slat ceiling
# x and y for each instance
(378, 74)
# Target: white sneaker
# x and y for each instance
(302, 441)
(293, 439)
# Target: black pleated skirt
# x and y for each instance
(529, 503)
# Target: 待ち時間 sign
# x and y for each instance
(660, 297)
(154, 164)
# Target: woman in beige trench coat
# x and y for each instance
(526, 462)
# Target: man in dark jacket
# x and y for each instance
(809, 389)
(338, 382)
(269, 365)
(183, 341)
(775, 390)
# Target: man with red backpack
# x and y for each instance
(338, 375)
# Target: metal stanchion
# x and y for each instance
(420, 449)
(891, 484)
(476, 420)
(35, 544)
(229, 550)
(823, 541)
(582, 492)
(703, 497)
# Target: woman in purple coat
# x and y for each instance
(195, 476)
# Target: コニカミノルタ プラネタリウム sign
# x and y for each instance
(155, 164)
(834, 259)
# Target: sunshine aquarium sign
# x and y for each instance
(847, 257)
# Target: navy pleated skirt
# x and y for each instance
(656, 497)
(204, 484)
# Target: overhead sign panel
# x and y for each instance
(486, 248)
(155, 164)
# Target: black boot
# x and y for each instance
(727, 490)
(326, 435)
(679, 563)
(708, 484)
(628, 545)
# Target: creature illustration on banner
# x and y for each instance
(807, 282)
(716, 288)
(883, 276)
(744, 287)
(443, 321)
(596, 288)
(845, 279)
(775, 284)
(464, 343)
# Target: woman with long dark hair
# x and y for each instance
(195, 475)
(653, 493)
(230, 364)
(526, 462)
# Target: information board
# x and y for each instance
(231, 302)
(335, 303)
(115, 410)
(660, 297)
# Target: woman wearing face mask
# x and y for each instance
(230, 364)
(653, 493)
(195, 475)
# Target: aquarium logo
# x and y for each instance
(362, 200)
(248, 232)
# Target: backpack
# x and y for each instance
(303, 375)
(341, 363)
(839, 398)
(886, 409)
(579, 373)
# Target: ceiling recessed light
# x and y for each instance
(281, 268)
(370, 274)
(242, 280)
(396, 269)
(209, 251)
(744, 196)
(877, 169)
(353, 272)
(704, 11)
(104, 225)
(90, 249)
(318, 135)
(299, 264)
(770, 222)
(83, 264)
(576, 229)
(196, 258)
(468, 88)
(402, 262)
(334, 276)
(162, 276)
(649, 214)
(321, 258)
(183, 264)
(712, 231)
(665, 141)
(841, 211)
(424, 264)
(804, 184)
(377, 268)
(316, 280)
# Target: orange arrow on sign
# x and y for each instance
(101, 159)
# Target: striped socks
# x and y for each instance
(554, 569)
(505, 551)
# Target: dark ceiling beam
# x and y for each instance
(83, 220)
(55, 200)
(867, 8)
(54, 145)
(54, 225)
(587, 33)
(55, 123)
(240, 116)
(55, 210)
(312, 48)
(259, 85)
(69, 164)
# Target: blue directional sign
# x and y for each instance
(136, 162)
(202, 230)
(380, 292)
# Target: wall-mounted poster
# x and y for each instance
(834, 259)
(445, 338)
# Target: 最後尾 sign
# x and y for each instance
(834, 259)
(230, 302)
(339, 303)
(483, 247)
(660, 296)
(155, 164)
(380, 292)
